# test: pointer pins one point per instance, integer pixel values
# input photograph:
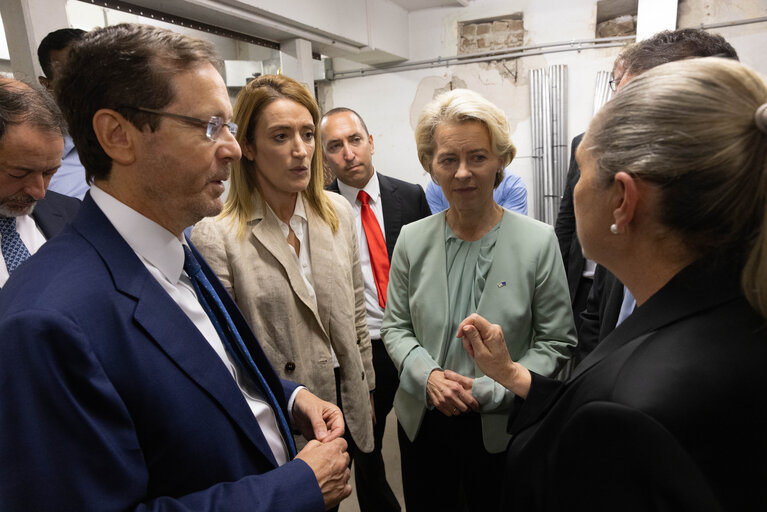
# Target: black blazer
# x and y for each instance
(565, 226)
(53, 212)
(668, 413)
(402, 203)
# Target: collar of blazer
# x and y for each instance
(698, 287)
(266, 230)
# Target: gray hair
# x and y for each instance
(689, 128)
(459, 106)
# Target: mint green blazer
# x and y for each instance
(526, 294)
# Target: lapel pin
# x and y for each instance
(501, 284)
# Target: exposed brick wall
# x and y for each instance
(495, 34)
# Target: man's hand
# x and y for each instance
(317, 419)
(448, 396)
(486, 345)
(330, 464)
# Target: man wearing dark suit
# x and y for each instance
(130, 379)
(572, 255)
(348, 151)
(31, 130)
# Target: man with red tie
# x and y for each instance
(382, 205)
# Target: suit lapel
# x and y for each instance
(48, 220)
(166, 324)
(323, 258)
(267, 232)
(391, 204)
(693, 290)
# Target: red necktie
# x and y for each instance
(379, 258)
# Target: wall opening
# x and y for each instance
(616, 18)
(475, 36)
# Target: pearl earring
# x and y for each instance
(614, 229)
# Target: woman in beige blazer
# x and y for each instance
(287, 252)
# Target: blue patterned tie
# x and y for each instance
(14, 250)
(232, 340)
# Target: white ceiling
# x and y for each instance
(415, 5)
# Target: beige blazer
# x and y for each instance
(262, 274)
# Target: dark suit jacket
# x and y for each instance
(53, 212)
(601, 314)
(565, 226)
(402, 203)
(113, 400)
(668, 413)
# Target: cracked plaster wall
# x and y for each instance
(390, 103)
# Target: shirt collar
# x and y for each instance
(297, 221)
(372, 187)
(149, 240)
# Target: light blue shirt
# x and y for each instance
(70, 178)
(511, 194)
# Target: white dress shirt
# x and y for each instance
(300, 226)
(31, 236)
(162, 254)
(373, 189)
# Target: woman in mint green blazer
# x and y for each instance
(475, 257)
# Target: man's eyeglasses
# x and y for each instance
(213, 126)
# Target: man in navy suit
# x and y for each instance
(31, 130)
(117, 390)
(348, 152)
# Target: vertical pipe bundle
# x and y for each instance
(548, 93)
(602, 92)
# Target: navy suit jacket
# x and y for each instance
(113, 400)
(401, 202)
(53, 212)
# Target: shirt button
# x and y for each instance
(363, 375)
(290, 366)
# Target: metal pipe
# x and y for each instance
(515, 53)
(733, 23)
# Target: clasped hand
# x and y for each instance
(325, 454)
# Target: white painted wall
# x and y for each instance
(390, 103)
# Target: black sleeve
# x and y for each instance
(613, 457)
(565, 224)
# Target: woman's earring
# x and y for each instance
(614, 229)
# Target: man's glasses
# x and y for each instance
(213, 126)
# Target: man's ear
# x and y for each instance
(627, 197)
(372, 146)
(116, 135)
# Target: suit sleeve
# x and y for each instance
(207, 237)
(565, 224)
(435, 198)
(69, 441)
(609, 456)
(424, 210)
(588, 333)
(412, 360)
(553, 327)
(514, 195)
